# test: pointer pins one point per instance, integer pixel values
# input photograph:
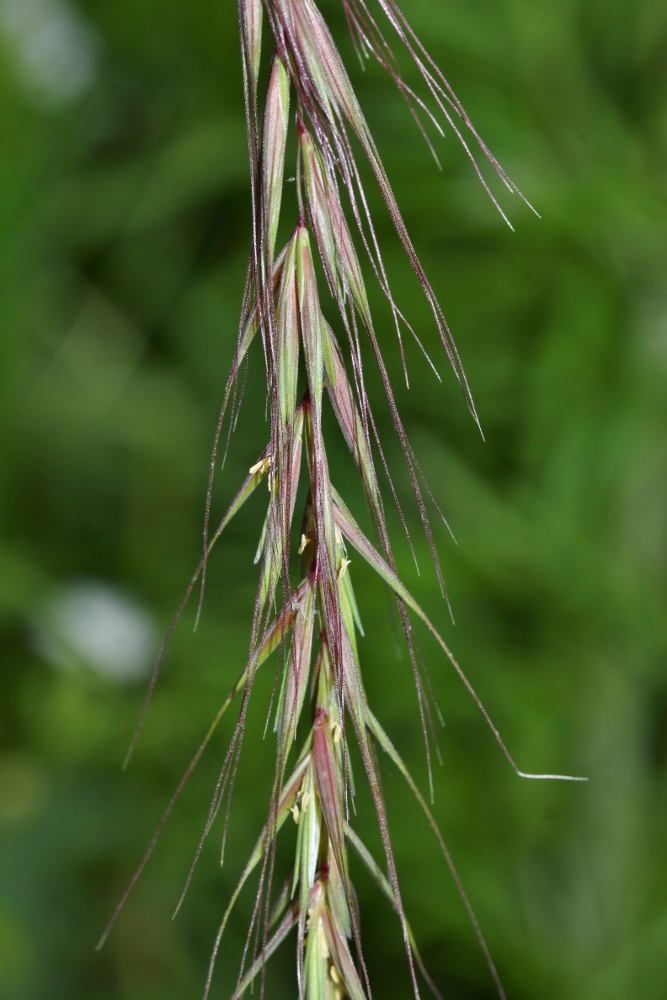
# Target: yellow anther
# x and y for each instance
(336, 732)
(333, 971)
(305, 800)
(304, 542)
(262, 466)
(339, 537)
(324, 948)
(295, 813)
(343, 568)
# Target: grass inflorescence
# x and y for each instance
(312, 626)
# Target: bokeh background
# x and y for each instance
(124, 235)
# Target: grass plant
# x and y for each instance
(305, 612)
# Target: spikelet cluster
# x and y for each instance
(313, 626)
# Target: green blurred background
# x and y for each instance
(124, 234)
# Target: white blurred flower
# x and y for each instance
(93, 623)
(55, 51)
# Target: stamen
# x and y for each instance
(304, 542)
(262, 466)
(343, 568)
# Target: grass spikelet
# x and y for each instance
(251, 16)
(274, 139)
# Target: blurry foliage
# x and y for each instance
(124, 234)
